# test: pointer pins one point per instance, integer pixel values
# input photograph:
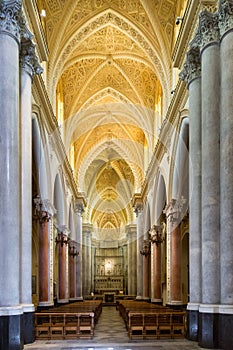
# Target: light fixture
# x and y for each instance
(157, 234)
(43, 13)
(178, 20)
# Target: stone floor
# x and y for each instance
(111, 334)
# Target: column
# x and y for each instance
(87, 232)
(210, 80)
(62, 240)
(29, 66)
(226, 171)
(145, 252)
(138, 208)
(73, 255)
(157, 238)
(79, 209)
(174, 253)
(11, 332)
(191, 73)
(132, 259)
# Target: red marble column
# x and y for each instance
(43, 261)
(176, 290)
(146, 260)
(72, 271)
(71, 276)
(157, 296)
(62, 272)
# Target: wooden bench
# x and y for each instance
(65, 325)
(156, 324)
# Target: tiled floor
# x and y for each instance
(111, 334)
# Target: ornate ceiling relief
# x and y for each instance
(106, 57)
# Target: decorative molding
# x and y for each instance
(10, 18)
(192, 66)
(208, 28)
(225, 16)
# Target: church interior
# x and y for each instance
(117, 157)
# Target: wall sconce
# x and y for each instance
(39, 213)
(62, 239)
(146, 249)
(43, 13)
(73, 251)
(157, 234)
(178, 20)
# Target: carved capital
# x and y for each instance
(208, 26)
(225, 16)
(146, 250)
(28, 59)
(10, 16)
(192, 66)
(174, 208)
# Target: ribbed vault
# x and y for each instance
(109, 82)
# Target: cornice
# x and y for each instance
(180, 96)
(50, 121)
(32, 10)
(189, 23)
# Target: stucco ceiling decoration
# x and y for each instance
(106, 56)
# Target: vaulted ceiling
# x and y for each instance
(109, 79)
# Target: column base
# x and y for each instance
(79, 299)
(208, 334)
(192, 324)
(139, 297)
(11, 329)
(28, 327)
(157, 301)
(226, 326)
(62, 301)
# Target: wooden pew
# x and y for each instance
(64, 325)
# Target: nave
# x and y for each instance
(111, 334)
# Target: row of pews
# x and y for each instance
(70, 321)
(145, 320)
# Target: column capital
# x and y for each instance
(28, 59)
(10, 16)
(225, 16)
(174, 209)
(44, 209)
(80, 203)
(192, 66)
(137, 203)
(146, 249)
(208, 28)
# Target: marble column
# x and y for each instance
(174, 253)
(210, 80)
(29, 66)
(43, 263)
(62, 246)
(73, 255)
(226, 171)
(132, 259)
(156, 236)
(87, 233)
(145, 252)
(191, 73)
(139, 214)
(79, 209)
(11, 330)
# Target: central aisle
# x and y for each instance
(110, 327)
